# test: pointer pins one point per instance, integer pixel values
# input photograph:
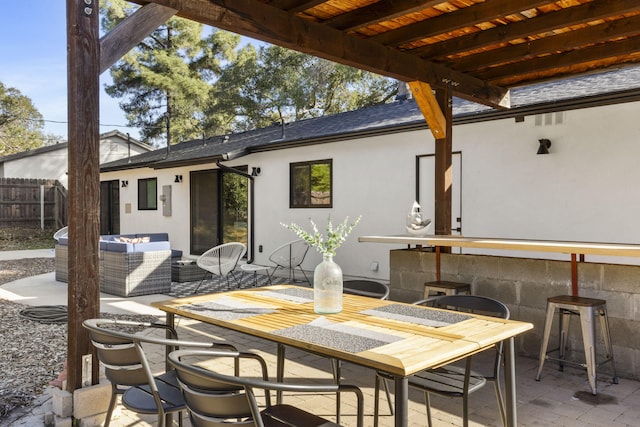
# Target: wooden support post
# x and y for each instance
(438, 112)
(444, 168)
(83, 56)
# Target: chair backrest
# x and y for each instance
(478, 305)
(215, 399)
(63, 232)
(222, 259)
(121, 353)
(470, 303)
(367, 288)
(291, 254)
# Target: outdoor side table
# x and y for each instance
(186, 271)
(254, 268)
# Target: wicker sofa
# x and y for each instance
(130, 264)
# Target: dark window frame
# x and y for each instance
(143, 190)
(298, 200)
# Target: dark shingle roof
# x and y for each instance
(615, 86)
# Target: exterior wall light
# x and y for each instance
(544, 146)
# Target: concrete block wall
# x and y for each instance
(524, 284)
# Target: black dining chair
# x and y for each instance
(455, 380)
(215, 398)
(119, 346)
(366, 288)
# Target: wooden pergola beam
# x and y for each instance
(583, 14)
(272, 25)
(598, 33)
(428, 104)
(378, 12)
(569, 60)
(131, 31)
(468, 17)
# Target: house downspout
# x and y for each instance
(251, 203)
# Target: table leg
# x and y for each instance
(171, 319)
(510, 382)
(279, 371)
(437, 263)
(171, 323)
(402, 401)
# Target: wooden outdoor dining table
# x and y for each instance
(397, 338)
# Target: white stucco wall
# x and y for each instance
(54, 164)
(134, 221)
(50, 165)
(585, 189)
(114, 148)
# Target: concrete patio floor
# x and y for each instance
(559, 399)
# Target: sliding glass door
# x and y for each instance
(219, 209)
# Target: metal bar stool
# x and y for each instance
(443, 287)
(586, 308)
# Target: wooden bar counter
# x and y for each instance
(573, 248)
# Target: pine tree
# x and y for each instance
(21, 125)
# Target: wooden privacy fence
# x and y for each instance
(32, 203)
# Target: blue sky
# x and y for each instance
(33, 59)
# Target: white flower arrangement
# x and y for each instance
(334, 238)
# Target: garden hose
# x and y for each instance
(45, 313)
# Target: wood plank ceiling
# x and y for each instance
(481, 48)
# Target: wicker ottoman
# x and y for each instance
(186, 271)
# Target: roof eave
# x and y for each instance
(230, 155)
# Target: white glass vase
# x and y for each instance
(327, 287)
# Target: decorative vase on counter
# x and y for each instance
(327, 286)
(417, 224)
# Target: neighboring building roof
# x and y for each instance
(586, 91)
(125, 137)
(65, 145)
(34, 152)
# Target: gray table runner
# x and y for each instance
(337, 335)
(417, 315)
(227, 309)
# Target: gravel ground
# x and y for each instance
(32, 353)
